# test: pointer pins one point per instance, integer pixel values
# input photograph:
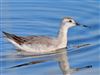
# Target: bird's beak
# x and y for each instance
(81, 25)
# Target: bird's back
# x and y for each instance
(41, 44)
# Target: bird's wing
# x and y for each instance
(43, 40)
(29, 39)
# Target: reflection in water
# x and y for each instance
(24, 55)
(60, 56)
(29, 63)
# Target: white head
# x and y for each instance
(68, 22)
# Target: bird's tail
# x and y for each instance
(8, 35)
(13, 38)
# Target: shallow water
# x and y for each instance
(32, 17)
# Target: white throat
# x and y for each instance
(62, 37)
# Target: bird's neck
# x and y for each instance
(62, 36)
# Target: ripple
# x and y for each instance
(22, 17)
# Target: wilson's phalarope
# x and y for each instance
(44, 44)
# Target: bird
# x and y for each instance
(44, 44)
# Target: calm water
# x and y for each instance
(43, 17)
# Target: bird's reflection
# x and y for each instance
(59, 55)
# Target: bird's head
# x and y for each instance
(68, 22)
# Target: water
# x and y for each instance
(32, 17)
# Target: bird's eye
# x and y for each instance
(70, 20)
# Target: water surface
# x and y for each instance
(32, 17)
